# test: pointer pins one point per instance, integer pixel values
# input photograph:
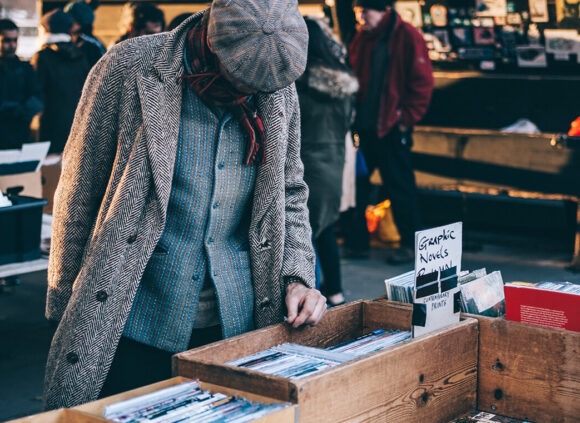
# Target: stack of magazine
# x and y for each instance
(187, 402)
(481, 293)
(295, 361)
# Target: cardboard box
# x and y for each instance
(50, 178)
(528, 372)
(95, 408)
(31, 181)
(431, 378)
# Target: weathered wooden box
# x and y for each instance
(528, 372)
(428, 379)
(286, 415)
(60, 416)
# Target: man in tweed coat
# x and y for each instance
(181, 203)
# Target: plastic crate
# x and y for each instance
(20, 227)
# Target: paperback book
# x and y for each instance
(553, 304)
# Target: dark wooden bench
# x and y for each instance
(539, 166)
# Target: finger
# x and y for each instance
(318, 313)
(293, 304)
(310, 301)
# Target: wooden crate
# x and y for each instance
(60, 416)
(528, 372)
(428, 379)
(95, 408)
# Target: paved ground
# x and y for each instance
(25, 336)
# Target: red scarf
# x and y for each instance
(213, 88)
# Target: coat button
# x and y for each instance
(265, 302)
(131, 239)
(102, 296)
(72, 358)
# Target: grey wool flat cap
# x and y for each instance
(261, 43)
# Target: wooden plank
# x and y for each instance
(60, 416)
(346, 317)
(237, 378)
(238, 346)
(398, 315)
(529, 372)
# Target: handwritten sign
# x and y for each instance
(437, 264)
(438, 249)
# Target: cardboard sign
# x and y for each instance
(437, 263)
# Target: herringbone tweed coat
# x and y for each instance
(111, 204)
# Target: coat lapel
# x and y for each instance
(270, 108)
(160, 93)
(161, 130)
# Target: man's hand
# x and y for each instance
(306, 306)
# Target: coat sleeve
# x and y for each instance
(86, 166)
(420, 83)
(298, 252)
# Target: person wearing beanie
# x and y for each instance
(62, 69)
(141, 19)
(20, 93)
(390, 59)
(82, 30)
(181, 214)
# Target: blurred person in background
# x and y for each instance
(20, 99)
(141, 19)
(20, 93)
(82, 30)
(62, 69)
(181, 215)
(326, 92)
(390, 59)
(178, 20)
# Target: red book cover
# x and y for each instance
(535, 304)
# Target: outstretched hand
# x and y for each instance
(306, 306)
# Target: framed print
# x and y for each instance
(483, 36)
(410, 12)
(561, 43)
(442, 35)
(539, 10)
(531, 57)
(438, 15)
(462, 36)
(490, 7)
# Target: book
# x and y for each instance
(483, 295)
(552, 304)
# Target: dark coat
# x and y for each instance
(62, 69)
(326, 111)
(409, 79)
(20, 100)
(111, 206)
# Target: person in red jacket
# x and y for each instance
(390, 59)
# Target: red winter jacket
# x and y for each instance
(409, 81)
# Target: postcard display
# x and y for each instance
(498, 34)
(428, 378)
